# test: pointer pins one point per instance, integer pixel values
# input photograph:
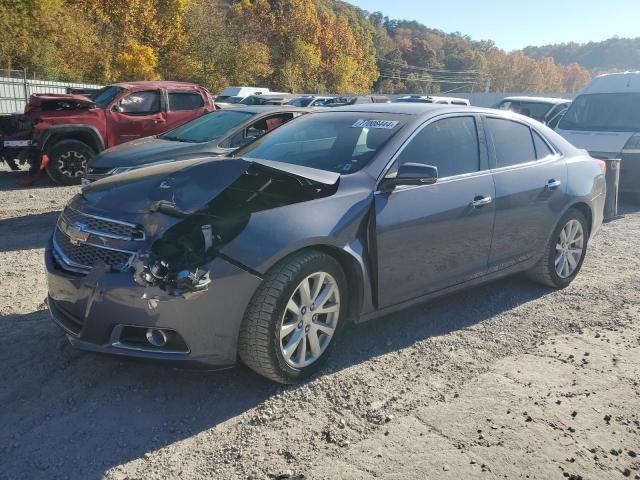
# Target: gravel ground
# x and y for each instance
(509, 380)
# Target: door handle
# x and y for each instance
(480, 201)
(553, 184)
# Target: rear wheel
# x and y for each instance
(68, 161)
(293, 320)
(564, 253)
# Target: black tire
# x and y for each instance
(68, 161)
(259, 344)
(544, 272)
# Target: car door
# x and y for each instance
(530, 178)
(136, 115)
(182, 106)
(429, 237)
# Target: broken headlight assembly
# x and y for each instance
(177, 263)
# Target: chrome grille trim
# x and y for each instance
(69, 256)
(104, 227)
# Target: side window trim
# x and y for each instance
(484, 166)
(493, 159)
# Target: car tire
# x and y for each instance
(561, 252)
(270, 327)
(68, 161)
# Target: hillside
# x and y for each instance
(291, 45)
(611, 54)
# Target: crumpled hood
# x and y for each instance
(38, 99)
(150, 150)
(186, 186)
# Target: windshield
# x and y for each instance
(603, 112)
(536, 110)
(300, 102)
(207, 127)
(103, 97)
(341, 142)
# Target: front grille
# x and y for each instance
(81, 257)
(103, 226)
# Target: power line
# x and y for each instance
(432, 70)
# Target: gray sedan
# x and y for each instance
(341, 216)
(216, 133)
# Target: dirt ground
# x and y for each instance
(509, 380)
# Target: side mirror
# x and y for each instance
(411, 174)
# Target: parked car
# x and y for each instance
(65, 131)
(546, 110)
(217, 133)
(308, 101)
(356, 100)
(605, 120)
(432, 99)
(233, 95)
(270, 99)
(339, 216)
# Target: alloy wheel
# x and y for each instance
(569, 248)
(310, 320)
(72, 163)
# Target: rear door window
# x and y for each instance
(450, 144)
(512, 142)
(180, 101)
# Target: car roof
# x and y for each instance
(257, 109)
(614, 83)
(537, 99)
(157, 84)
(414, 109)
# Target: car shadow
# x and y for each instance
(9, 180)
(27, 232)
(70, 411)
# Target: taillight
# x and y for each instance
(603, 166)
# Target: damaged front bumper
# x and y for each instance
(106, 312)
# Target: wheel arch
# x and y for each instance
(87, 134)
(352, 266)
(585, 209)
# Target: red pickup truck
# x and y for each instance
(61, 132)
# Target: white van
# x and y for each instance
(605, 120)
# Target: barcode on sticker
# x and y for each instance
(386, 124)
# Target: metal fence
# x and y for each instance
(16, 88)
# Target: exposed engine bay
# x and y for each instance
(178, 258)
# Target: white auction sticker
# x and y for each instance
(385, 124)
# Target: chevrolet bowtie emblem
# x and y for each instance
(76, 233)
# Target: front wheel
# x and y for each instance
(564, 253)
(68, 161)
(293, 320)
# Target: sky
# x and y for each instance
(514, 24)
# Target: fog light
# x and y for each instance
(156, 337)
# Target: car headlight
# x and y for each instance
(117, 170)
